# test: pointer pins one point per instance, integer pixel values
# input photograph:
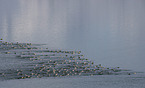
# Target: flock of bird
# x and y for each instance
(49, 63)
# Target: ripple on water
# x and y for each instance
(25, 60)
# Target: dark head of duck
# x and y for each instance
(1, 40)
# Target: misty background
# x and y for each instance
(108, 32)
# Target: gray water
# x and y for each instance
(105, 81)
(108, 32)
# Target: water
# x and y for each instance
(79, 82)
(110, 33)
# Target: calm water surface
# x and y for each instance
(111, 33)
(105, 81)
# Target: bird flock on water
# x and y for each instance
(50, 63)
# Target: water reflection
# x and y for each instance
(111, 31)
